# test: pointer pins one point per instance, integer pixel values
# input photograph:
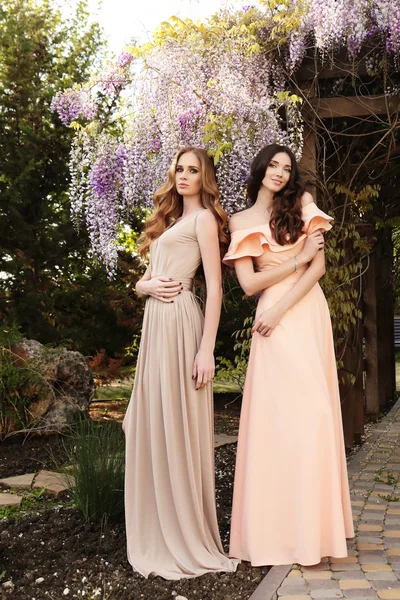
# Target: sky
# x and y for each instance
(124, 19)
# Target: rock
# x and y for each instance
(54, 483)
(69, 387)
(39, 580)
(221, 439)
(19, 482)
(9, 500)
(8, 585)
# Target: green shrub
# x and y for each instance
(234, 371)
(96, 457)
(21, 384)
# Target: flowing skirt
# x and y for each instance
(291, 497)
(171, 520)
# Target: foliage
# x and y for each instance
(106, 369)
(346, 253)
(51, 285)
(96, 453)
(32, 500)
(21, 384)
(234, 370)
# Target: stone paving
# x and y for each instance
(52, 482)
(372, 569)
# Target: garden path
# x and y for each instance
(371, 571)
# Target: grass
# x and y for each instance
(114, 392)
(32, 500)
(123, 390)
(96, 455)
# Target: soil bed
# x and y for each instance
(226, 412)
(19, 455)
(57, 545)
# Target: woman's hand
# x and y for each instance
(267, 321)
(203, 368)
(162, 288)
(314, 242)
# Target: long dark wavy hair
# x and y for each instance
(285, 222)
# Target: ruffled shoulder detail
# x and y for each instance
(254, 240)
(314, 219)
(247, 242)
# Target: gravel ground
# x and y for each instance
(51, 553)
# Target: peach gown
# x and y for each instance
(171, 520)
(291, 500)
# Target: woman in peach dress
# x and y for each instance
(291, 500)
(171, 521)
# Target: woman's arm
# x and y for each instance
(139, 287)
(270, 318)
(301, 288)
(207, 236)
(162, 288)
(252, 281)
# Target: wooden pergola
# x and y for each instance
(372, 358)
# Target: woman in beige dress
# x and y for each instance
(291, 500)
(171, 520)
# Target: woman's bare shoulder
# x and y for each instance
(240, 220)
(245, 219)
(205, 217)
(306, 199)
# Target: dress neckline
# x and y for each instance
(176, 222)
(253, 227)
(305, 207)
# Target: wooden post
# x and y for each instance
(385, 317)
(358, 387)
(352, 393)
(308, 162)
(372, 403)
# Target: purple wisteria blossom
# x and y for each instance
(124, 59)
(210, 90)
(74, 104)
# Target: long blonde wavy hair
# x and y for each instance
(168, 202)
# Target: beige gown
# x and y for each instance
(291, 500)
(171, 520)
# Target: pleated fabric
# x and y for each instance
(291, 500)
(170, 511)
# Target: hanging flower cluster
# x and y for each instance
(74, 104)
(330, 25)
(211, 85)
(190, 92)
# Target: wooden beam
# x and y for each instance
(314, 69)
(355, 106)
(339, 66)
